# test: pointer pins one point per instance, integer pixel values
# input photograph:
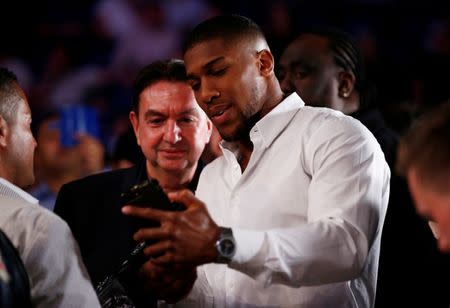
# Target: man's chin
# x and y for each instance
(175, 166)
(26, 183)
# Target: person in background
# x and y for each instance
(127, 152)
(291, 214)
(46, 246)
(424, 159)
(56, 164)
(326, 68)
(172, 132)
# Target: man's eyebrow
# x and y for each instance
(206, 67)
(192, 110)
(212, 62)
(152, 113)
(297, 63)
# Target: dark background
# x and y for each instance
(406, 46)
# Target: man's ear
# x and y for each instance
(134, 119)
(346, 83)
(266, 62)
(4, 131)
(209, 127)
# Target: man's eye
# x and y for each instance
(186, 120)
(155, 121)
(195, 86)
(280, 74)
(218, 72)
(302, 72)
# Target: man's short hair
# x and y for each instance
(230, 28)
(8, 95)
(426, 148)
(164, 70)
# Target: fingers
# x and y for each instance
(163, 253)
(146, 213)
(157, 249)
(185, 197)
(149, 234)
(151, 270)
(168, 258)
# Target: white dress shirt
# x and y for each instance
(48, 250)
(307, 213)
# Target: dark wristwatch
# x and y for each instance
(225, 245)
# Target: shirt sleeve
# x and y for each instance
(57, 273)
(347, 200)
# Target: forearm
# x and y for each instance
(316, 253)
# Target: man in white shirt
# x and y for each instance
(44, 241)
(291, 214)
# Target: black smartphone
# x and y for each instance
(150, 194)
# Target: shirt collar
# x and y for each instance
(8, 189)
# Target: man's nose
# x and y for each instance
(172, 133)
(287, 86)
(208, 93)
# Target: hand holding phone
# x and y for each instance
(150, 194)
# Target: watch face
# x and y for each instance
(227, 247)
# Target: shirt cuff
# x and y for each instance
(248, 244)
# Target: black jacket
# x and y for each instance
(91, 207)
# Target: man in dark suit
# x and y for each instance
(172, 131)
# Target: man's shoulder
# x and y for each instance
(18, 216)
(15, 206)
(103, 180)
(313, 121)
(87, 194)
(19, 208)
(325, 114)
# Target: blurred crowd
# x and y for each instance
(87, 52)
